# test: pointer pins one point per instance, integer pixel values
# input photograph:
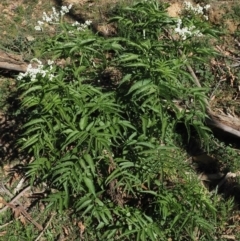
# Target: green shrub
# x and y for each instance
(102, 126)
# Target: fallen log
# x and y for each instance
(227, 124)
(12, 62)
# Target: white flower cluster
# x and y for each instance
(81, 26)
(53, 18)
(186, 31)
(32, 71)
(198, 9)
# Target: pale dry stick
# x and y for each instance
(192, 72)
(15, 199)
(238, 43)
(235, 65)
(19, 185)
(215, 89)
(6, 224)
(21, 210)
(45, 228)
(20, 207)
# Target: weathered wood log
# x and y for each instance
(12, 62)
(227, 124)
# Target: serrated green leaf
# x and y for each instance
(127, 57)
(147, 144)
(33, 139)
(144, 124)
(103, 217)
(100, 225)
(83, 122)
(33, 122)
(32, 89)
(89, 183)
(126, 164)
(99, 202)
(84, 204)
(90, 162)
(138, 85)
(90, 126)
(86, 42)
(89, 208)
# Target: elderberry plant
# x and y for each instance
(102, 125)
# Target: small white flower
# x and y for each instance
(184, 32)
(199, 9)
(50, 62)
(75, 24)
(40, 23)
(46, 18)
(54, 18)
(64, 10)
(197, 33)
(20, 76)
(43, 73)
(38, 28)
(37, 60)
(32, 72)
(55, 12)
(88, 22)
(29, 67)
(51, 76)
(188, 6)
(207, 6)
(82, 26)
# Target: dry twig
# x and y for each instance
(48, 223)
(19, 208)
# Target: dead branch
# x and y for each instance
(12, 62)
(45, 228)
(19, 208)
